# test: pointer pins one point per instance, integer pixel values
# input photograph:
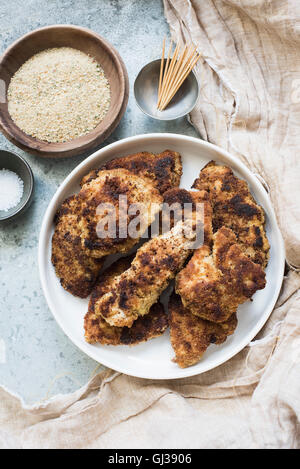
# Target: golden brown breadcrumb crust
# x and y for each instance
(76, 248)
(213, 284)
(134, 292)
(219, 276)
(97, 330)
(181, 197)
(77, 271)
(106, 189)
(191, 335)
(235, 208)
(164, 170)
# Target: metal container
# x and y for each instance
(18, 165)
(146, 92)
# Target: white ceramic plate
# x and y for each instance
(153, 359)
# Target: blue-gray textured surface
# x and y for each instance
(36, 359)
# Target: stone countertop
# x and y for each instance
(37, 360)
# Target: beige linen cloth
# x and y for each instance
(249, 104)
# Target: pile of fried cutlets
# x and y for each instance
(211, 281)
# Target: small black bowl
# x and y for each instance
(18, 165)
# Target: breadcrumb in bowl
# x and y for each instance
(66, 137)
(58, 94)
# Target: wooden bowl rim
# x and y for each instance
(84, 142)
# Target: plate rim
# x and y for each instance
(280, 252)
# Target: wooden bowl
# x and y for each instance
(64, 36)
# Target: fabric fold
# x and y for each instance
(256, 392)
(250, 91)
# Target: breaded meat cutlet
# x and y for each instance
(97, 330)
(213, 284)
(191, 335)
(77, 271)
(134, 292)
(246, 277)
(101, 211)
(235, 208)
(164, 170)
(181, 198)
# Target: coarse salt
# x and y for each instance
(11, 189)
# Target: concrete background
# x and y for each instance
(37, 360)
